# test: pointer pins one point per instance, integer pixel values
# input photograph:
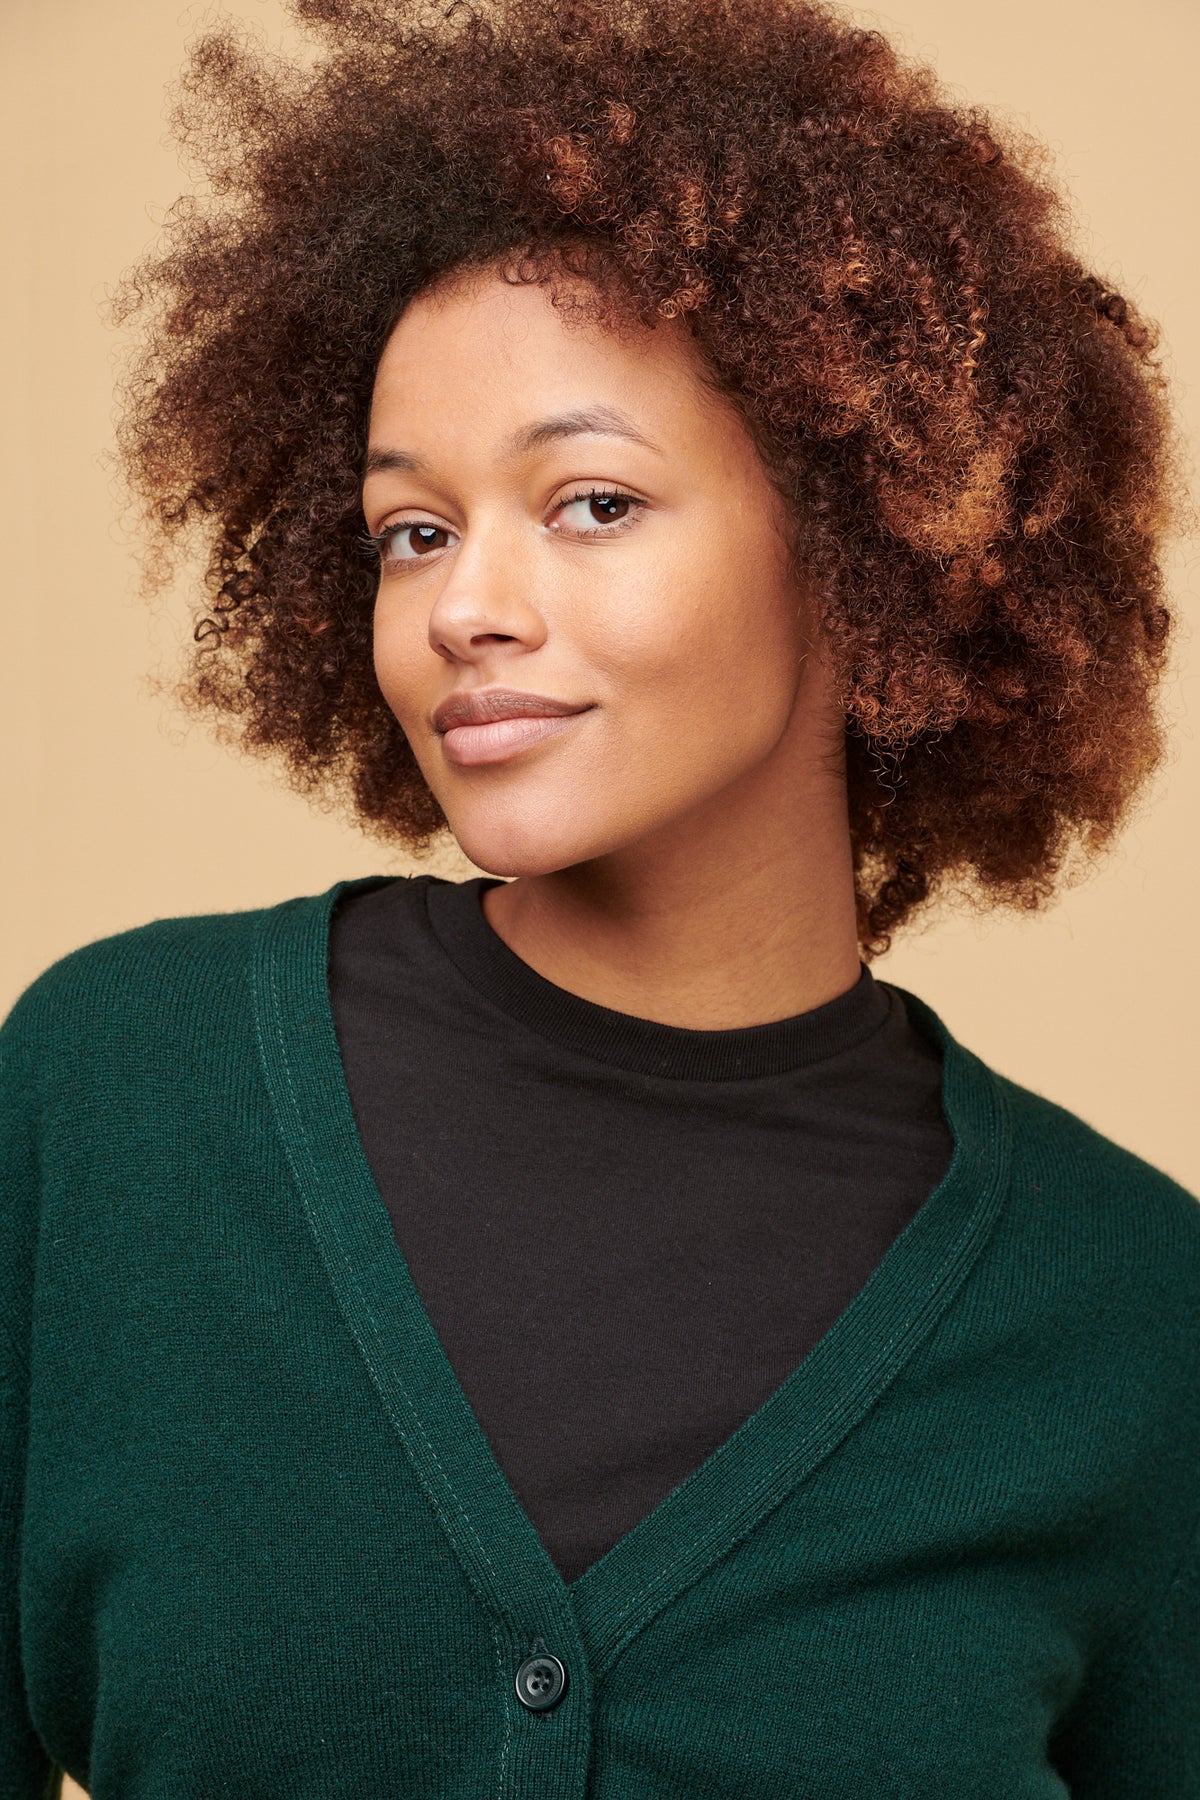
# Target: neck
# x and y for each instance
(737, 919)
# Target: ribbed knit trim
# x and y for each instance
(747, 1476)
(643, 1046)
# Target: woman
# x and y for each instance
(576, 1331)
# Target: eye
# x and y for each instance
(598, 501)
(407, 542)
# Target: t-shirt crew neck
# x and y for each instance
(684, 1213)
(643, 1046)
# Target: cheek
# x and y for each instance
(397, 661)
(709, 656)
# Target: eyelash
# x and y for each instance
(378, 541)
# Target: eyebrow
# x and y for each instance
(609, 421)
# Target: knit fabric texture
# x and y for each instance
(637, 1188)
(254, 1543)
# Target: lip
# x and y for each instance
(483, 706)
(496, 741)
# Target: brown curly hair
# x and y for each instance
(970, 428)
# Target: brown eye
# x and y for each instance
(607, 513)
(602, 505)
(409, 541)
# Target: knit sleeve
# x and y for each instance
(26, 1771)
(1136, 1730)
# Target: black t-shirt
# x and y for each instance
(625, 1234)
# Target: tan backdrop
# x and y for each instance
(115, 813)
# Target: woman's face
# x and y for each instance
(568, 514)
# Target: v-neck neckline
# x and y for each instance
(766, 1457)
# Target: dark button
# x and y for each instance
(541, 1679)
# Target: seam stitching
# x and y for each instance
(298, 1119)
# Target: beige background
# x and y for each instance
(116, 813)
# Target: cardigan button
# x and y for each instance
(541, 1679)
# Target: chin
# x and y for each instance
(507, 844)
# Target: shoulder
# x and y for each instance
(1096, 1298)
(1094, 1250)
(1122, 1199)
(157, 979)
(1097, 1251)
(1068, 1179)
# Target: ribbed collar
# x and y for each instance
(458, 922)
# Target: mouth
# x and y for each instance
(470, 744)
(490, 725)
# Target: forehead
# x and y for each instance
(476, 347)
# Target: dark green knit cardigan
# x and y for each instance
(255, 1546)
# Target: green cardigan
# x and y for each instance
(254, 1544)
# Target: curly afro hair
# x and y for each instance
(969, 427)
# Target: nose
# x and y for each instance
(484, 604)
